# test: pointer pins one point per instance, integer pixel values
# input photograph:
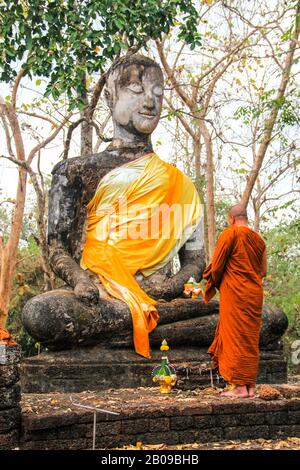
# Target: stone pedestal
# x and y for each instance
(10, 396)
(97, 368)
(112, 362)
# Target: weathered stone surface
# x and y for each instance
(272, 369)
(59, 320)
(281, 431)
(95, 368)
(98, 368)
(9, 375)
(101, 367)
(134, 426)
(9, 440)
(288, 390)
(181, 423)
(10, 397)
(246, 432)
(10, 354)
(159, 424)
(200, 331)
(63, 321)
(10, 419)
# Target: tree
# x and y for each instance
(67, 41)
(196, 89)
(285, 68)
(16, 153)
(282, 282)
(254, 89)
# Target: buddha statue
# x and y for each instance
(116, 221)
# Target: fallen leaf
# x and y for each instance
(54, 402)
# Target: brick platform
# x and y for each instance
(97, 368)
(52, 421)
(10, 396)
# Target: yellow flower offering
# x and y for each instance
(192, 289)
(164, 374)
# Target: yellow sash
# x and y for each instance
(140, 216)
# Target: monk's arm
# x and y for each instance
(222, 252)
(264, 264)
(65, 199)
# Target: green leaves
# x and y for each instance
(63, 34)
(282, 290)
(288, 111)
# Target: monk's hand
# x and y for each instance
(86, 291)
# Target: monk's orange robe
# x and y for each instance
(236, 271)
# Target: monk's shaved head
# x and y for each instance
(238, 212)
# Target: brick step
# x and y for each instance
(53, 421)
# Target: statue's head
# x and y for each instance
(134, 93)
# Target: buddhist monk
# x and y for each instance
(237, 268)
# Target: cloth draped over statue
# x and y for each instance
(142, 213)
(5, 337)
(236, 271)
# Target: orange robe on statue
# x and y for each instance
(5, 337)
(235, 271)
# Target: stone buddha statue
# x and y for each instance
(120, 290)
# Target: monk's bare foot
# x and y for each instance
(251, 391)
(240, 391)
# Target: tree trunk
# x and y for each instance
(86, 141)
(86, 137)
(9, 251)
(197, 155)
(49, 276)
(256, 216)
(257, 206)
(209, 178)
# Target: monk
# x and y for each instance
(237, 268)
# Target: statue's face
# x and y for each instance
(138, 98)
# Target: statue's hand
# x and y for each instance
(86, 291)
(155, 285)
(160, 286)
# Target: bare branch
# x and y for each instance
(67, 144)
(98, 131)
(49, 139)
(7, 134)
(185, 98)
(39, 116)
(96, 95)
(181, 118)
